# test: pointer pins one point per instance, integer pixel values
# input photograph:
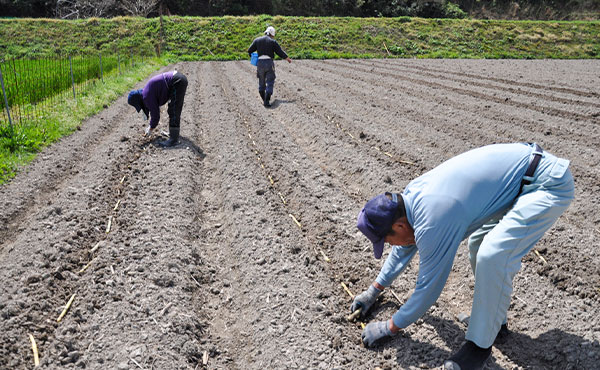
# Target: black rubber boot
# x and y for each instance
(262, 96)
(267, 98)
(469, 357)
(173, 137)
(503, 334)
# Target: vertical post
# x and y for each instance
(17, 97)
(101, 72)
(72, 80)
(6, 104)
(162, 29)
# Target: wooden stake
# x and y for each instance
(36, 357)
(109, 224)
(295, 220)
(539, 255)
(117, 205)
(64, 312)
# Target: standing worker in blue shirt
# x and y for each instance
(160, 89)
(504, 197)
(266, 47)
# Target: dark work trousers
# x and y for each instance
(265, 71)
(176, 94)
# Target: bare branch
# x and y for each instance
(139, 8)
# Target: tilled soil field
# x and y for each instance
(229, 250)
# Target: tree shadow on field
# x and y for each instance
(554, 349)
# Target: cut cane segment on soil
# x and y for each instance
(356, 313)
(67, 306)
(34, 349)
(537, 253)
(109, 224)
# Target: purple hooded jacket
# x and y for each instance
(155, 94)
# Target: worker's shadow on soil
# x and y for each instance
(277, 102)
(184, 143)
(552, 349)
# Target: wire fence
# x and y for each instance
(31, 88)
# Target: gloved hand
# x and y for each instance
(365, 300)
(148, 130)
(376, 331)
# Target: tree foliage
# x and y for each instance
(506, 9)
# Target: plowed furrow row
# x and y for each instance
(480, 81)
(491, 97)
(512, 82)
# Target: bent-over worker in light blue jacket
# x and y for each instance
(504, 197)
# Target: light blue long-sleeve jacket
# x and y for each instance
(444, 206)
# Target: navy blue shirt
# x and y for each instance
(265, 45)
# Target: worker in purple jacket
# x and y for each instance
(168, 86)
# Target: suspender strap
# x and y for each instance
(528, 177)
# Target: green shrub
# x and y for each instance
(452, 10)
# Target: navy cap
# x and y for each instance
(136, 99)
(376, 218)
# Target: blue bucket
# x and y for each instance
(254, 58)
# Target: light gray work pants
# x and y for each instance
(496, 249)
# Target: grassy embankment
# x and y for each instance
(227, 38)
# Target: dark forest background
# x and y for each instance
(482, 9)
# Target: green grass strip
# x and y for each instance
(227, 38)
(67, 114)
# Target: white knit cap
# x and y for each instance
(270, 31)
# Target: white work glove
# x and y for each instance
(148, 131)
(365, 300)
(376, 331)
